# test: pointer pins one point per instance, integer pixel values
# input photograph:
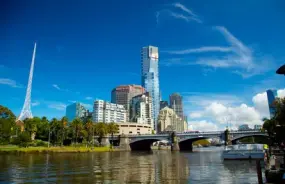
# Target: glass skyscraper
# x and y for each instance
(150, 77)
(271, 96)
(75, 110)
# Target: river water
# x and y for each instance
(202, 166)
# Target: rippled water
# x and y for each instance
(203, 166)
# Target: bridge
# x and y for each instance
(181, 141)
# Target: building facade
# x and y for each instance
(257, 127)
(163, 104)
(75, 110)
(176, 104)
(168, 120)
(123, 95)
(141, 109)
(132, 128)
(271, 96)
(107, 112)
(150, 77)
(244, 127)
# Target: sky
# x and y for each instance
(221, 55)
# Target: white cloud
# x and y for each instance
(10, 83)
(202, 126)
(56, 86)
(183, 17)
(202, 49)
(36, 103)
(72, 101)
(89, 98)
(57, 105)
(184, 8)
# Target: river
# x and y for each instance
(202, 166)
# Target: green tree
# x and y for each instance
(7, 124)
(77, 126)
(63, 125)
(89, 127)
(31, 126)
(113, 128)
(54, 130)
(43, 129)
(101, 130)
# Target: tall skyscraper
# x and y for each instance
(141, 109)
(123, 95)
(107, 112)
(75, 110)
(150, 77)
(176, 104)
(271, 96)
(26, 110)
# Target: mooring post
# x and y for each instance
(259, 172)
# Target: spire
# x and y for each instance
(26, 111)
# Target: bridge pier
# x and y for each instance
(175, 144)
(105, 141)
(124, 143)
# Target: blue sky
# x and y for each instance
(212, 52)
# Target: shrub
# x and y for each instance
(22, 140)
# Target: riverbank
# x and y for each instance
(64, 149)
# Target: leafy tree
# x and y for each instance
(43, 129)
(101, 130)
(77, 126)
(63, 125)
(89, 127)
(31, 126)
(54, 130)
(113, 128)
(7, 124)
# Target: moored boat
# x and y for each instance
(243, 152)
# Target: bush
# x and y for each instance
(41, 143)
(22, 140)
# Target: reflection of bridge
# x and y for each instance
(183, 141)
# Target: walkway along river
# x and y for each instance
(201, 166)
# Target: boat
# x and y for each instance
(243, 152)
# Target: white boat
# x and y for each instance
(243, 152)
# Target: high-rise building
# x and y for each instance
(141, 109)
(123, 95)
(271, 96)
(176, 104)
(150, 77)
(75, 110)
(168, 120)
(107, 112)
(163, 104)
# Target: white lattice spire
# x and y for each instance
(26, 111)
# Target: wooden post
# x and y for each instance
(259, 173)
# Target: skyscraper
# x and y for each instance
(75, 110)
(123, 95)
(271, 96)
(176, 104)
(150, 77)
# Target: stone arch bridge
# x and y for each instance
(182, 141)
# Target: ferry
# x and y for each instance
(244, 152)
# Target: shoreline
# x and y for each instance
(64, 149)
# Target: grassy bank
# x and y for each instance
(64, 149)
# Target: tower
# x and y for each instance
(150, 78)
(26, 111)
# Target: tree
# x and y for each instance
(63, 124)
(7, 124)
(113, 128)
(31, 126)
(43, 129)
(77, 126)
(101, 130)
(54, 130)
(89, 127)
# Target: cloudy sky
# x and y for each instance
(220, 55)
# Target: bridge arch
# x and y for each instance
(186, 144)
(144, 144)
(235, 139)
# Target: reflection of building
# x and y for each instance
(244, 127)
(75, 110)
(141, 109)
(134, 128)
(168, 120)
(163, 104)
(257, 127)
(124, 94)
(108, 112)
(150, 77)
(271, 96)
(176, 104)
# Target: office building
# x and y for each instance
(133, 128)
(257, 127)
(75, 110)
(243, 127)
(163, 104)
(107, 112)
(271, 96)
(150, 77)
(141, 109)
(168, 120)
(176, 104)
(123, 95)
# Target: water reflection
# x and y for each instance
(125, 167)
